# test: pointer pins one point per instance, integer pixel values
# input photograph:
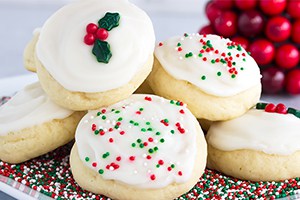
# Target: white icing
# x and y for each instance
(179, 149)
(193, 68)
(29, 107)
(70, 61)
(271, 133)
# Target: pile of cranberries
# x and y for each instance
(269, 30)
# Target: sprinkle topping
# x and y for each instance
(137, 133)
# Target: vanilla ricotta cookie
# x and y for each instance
(143, 147)
(214, 76)
(262, 145)
(32, 125)
(93, 53)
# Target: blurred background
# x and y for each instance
(18, 19)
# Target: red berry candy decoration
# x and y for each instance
(278, 29)
(96, 35)
(262, 51)
(269, 29)
(293, 82)
(287, 56)
(226, 24)
(272, 7)
(273, 80)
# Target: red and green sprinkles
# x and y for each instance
(50, 175)
(279, 108)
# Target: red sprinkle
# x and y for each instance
(180, 173)
(150, 139)
(148, 98)
(160, 162)
(152, 177)
(132, 158)
(138, 112)
(160, 44)
(111, 140)
(94, 164)
(179, 49)
(148, 157)
(118, 158)
(122, 132)
(181, 111)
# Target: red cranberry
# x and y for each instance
(224, 4)
(287, 56)
(293, 82)
(91, 28)
(250, 23)
(242, 41)
(296, 31)
(212, 11)
(281, 109)
(245, 4)
(89, 39)
(272, 80)
(208, 29)
(262, 51)
(102, 34)
(278, 29)
(293, 8)
(272, 7)
(226, 24)
(270, 108)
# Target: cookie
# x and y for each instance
(28, 55)
(144, 146)
(93, 53)
(215, 77)
(261, 145)
(32, 125)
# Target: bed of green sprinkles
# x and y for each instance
(50, 175)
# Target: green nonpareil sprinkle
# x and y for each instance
(157, 133)
(172, 101)
(155, 148)
(172, 131)
(117, 112)
(133, 145)
(136, 124)
(166, 120)
(234, 63)
(233, 76)
(249, 53)
(219, 73)
(190, 54)
(213, 61)
(200, 55)
(229, 54)
(151, 151)
(149, 129)
(139, 140)
(242, 68)
(131, 122)
(101, 171)
(98, 114)
(203, 78)
(87, 159)
(141, 109)
(148, 123)
(173, 166)
(104, 117)
(120, 119)
(96, 132)
(142, 145)
(143, 130)
(204, 47)
(157, 166)
(162, 140)
(244, 59)
(239, 48)
(178, 44)
(105, 155)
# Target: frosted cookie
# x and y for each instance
(28, 56)
(32, 125)
(93, 53)
(262, 145)
(215, 77)
(144, 146)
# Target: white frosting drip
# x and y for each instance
(70, 61)
(173, 148)
(173, 59)
(271, 133)
(29, 107)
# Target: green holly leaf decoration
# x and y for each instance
(109, 21)
(102, 51)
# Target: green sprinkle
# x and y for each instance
(133, 145)
(120, 119)
(96, 132)
(143, 130)
(172, 131)
(172, 102)
(242, 68)
(173, 166)
(157, 166)
(239, 48)
(105, 155)
(136, 124)
(234, 63)
(200, 55)
(117, 112)
(150, 150)
(149, 129)
(148, 123)
(104, 117)
(116, 126)
(233, 76)
(178, 44)
(244, 59)
(112, 110)
(87, 159)
(155, 148)
(249, 53)
(222, 61)
(219, 73)
(98, 114)
(101, 171)
(139, 140)
(229, 54)
(141, 109)
(178, 103)
(213, 61)
(142, 145)
(204, 47)
(162, 140)
(166, 120)
(131, 122)
(157, 133)
(190, 54)
(203, 78)
(261, 105)
(186, 35)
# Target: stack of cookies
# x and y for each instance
(92, 55)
